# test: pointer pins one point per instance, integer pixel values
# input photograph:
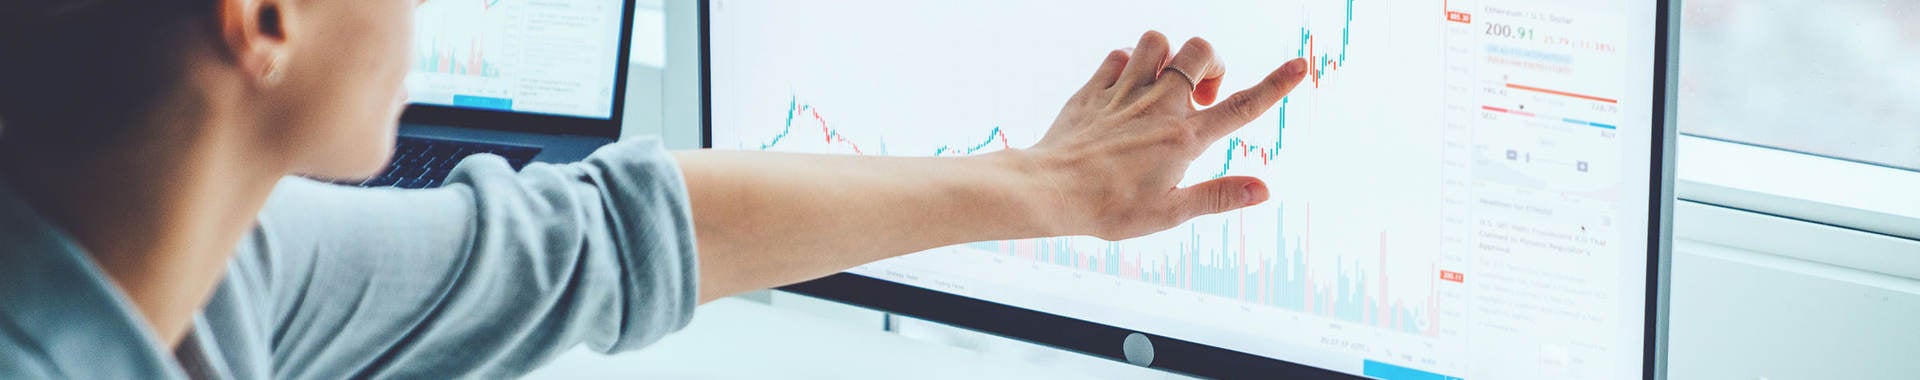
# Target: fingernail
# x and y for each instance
(1252, 193)
(1296, 67)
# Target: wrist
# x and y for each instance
(1041, 203)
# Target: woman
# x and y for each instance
(151, 228)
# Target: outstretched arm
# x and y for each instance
(498, 271)
(1109, 167)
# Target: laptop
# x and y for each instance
(526, 80)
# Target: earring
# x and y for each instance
(274, 72)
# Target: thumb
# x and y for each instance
(1221, 195)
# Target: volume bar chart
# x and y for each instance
(1224, 266)
(461, 39)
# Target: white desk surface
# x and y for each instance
(739, 339)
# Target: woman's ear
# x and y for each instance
(255, 32)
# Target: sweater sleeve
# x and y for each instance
(488, 276)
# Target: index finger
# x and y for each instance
(1245, 106)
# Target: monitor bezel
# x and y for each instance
(1181, 356)
(533, 122)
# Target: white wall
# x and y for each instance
(1759, 297)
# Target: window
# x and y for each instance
(1806, 110)
(1838, 78)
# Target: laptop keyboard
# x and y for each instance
(420, 163)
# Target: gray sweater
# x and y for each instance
(488, 277)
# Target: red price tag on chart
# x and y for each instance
(1460, 17)
(1453, 276)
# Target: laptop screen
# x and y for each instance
(554, 57)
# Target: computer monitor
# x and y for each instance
(540, 64)
(1468, 189)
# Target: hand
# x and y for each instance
(1117, 153)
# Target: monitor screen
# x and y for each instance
(554, 57)
(1461, 189)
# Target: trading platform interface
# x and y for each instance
(1460, 187)
(554, 57)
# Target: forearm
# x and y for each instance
(770, 219)
(1111, 166)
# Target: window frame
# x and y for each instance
(1799, 186)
